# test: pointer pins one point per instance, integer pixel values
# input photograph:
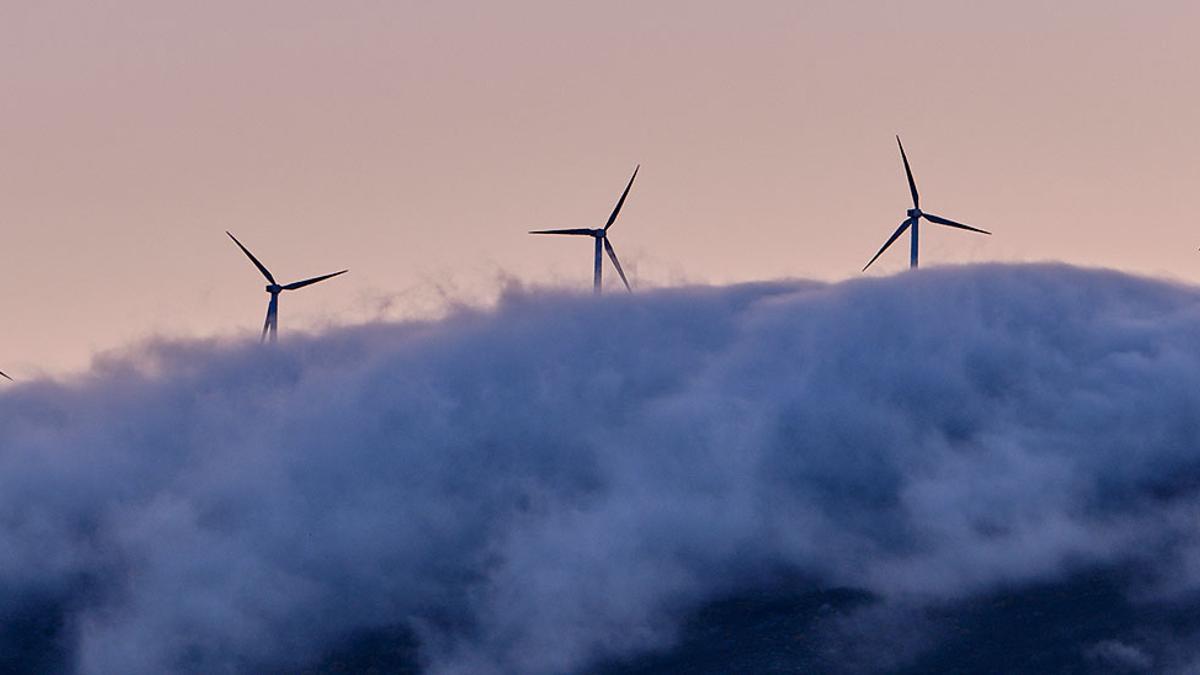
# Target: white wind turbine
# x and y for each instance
(601, 237)
(915, 214)
(271, 325)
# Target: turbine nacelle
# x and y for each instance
(274, 288)
(914, 213)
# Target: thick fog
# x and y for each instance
(561, 479)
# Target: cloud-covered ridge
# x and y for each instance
(533, 488)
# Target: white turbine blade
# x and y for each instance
(950, 223)
(261, 268)
(895, 235)
(271, 308)
(912, 184)
(616, 263)
(621, 201)
(308, 282)
(576, 230)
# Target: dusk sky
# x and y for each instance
(417, 142)
(457, 460)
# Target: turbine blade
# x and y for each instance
(5, 376)
(308, 282)
(895, 235)
(271, 309)
(616, 263)
(912, 185)
(261, 268)
(577, 230)
(946, 221)
(621, 201)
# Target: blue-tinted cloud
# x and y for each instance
(559, 480)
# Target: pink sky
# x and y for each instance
(416, 142)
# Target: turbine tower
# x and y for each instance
(915, 214)
(601, 237)
(271, 325)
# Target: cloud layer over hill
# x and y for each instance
(561, 479)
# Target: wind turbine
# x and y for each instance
(271, 325)
(915, 214)
(601, 236)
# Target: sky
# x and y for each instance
(416, 142)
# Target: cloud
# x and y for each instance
(561, 479)
(1120, 656)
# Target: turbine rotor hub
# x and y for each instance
(274, 288)
(598, 233)
(914, 213)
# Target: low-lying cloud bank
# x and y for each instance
(558, 481)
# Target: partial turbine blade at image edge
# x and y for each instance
(308, 282)
(616, 263)
(895, 235)
(261, 268)
(575, 230)
(912, 184)
(950, 223)
(621, 201)
(5, 376)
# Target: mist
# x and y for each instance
(558, 481)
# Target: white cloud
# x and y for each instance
(557, 480)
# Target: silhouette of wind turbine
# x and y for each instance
(915, 214)
(601, 236)
(271, 325)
